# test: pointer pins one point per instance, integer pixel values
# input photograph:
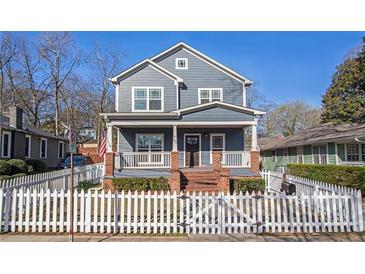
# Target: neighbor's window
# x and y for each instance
(6, 144)
(273, 156)
(320, 154)
(207, 95)
(352, 152)
(181, 63)
(363, 151)
(27, 146)
(147, 99)
(285, 153)
(300, 154)
(43, 148)
(61, 146)
(149, 142)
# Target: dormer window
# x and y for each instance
(181, 63)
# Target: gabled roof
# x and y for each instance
(219, 104)
(146, 62)
(320, 134)
(203, 57)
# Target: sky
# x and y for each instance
(285, 66)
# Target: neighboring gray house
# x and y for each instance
(21, 141)
(180, 100)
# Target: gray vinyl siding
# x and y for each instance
(200, 74)
(234, 140)
(148, 77)
(217, 114)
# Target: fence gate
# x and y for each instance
(220, 214)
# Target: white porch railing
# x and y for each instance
(143, 160)
(236, 159)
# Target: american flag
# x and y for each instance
(102, 147)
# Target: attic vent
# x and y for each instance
(181, 63)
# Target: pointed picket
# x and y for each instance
(20, 210)
(223, 213)
(207, 213)
(297, 214)
(347, 212)
(168, 212)
(149, 212)
(135, 212)
(48, 211)
(266, 212)
(303, 213)
(62, 205)
(273, 212)
(291, 213)
(68, 211)
(194, 213)
(201, 212)
(310, 209)
(54, 211)
(155, 219)
(162, 212)
(360, 212)
(285, 212)
(109, 213)
(213, 219)
(328, 212)
(259, 213)
(141, 230)
(102, 212)
(122, 212)
(187, 222)
(174, 215)
(13, 210)
(1, 209)
(181, 222)
(96, 211)
(75, 213)
(88, 211)
(278, 210)
(354, 212)
(321, 204)
(229, 213)
(334, 212)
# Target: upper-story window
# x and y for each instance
(28, 146)
(207, 95)
(181, 63)
(43, 148)
(147, 99)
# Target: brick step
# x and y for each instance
(200, 182)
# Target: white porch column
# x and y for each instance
(254, 136)
(109, 138)
(174, 138)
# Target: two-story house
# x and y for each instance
(182, 115)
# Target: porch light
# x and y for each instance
(205, 135)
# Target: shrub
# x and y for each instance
(37, 165)
(17, 166)
(5, 177)
(86, 185)
(159, 184)
(140, 184)
(4, 167)
(348, 176)
(248, 184)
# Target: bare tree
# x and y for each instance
(61, 55)
(104, 63)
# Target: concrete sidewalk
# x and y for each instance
(314, 237)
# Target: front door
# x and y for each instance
(192, 144)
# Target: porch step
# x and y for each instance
(199, 180)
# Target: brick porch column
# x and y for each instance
(255, 161)
(108, 161)
(174, 180)
(217, 160)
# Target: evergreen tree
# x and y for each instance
(344, 101)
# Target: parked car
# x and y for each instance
(78, 160)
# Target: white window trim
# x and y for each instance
(40, 148)
(200, 146)
(63, 150)
(286, 157)
(327, 157)
(29, 146)
(211, 143)
(9, 144)
(360, 152)
(210, 94)
(180, 68)
(150, 134)
(148, 99)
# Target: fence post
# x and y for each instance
(268, 180)
(359, 205)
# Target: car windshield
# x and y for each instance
(77, 159)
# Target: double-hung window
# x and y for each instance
(273, 155)
(43, 148)
(352, 152)
(207, 95)
(319, 154)
(28, 140)
(149, 142)
(363, 152)
(6, 144)
(147, 99)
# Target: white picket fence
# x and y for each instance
(100, 212)
(59, 179)
(307, 186)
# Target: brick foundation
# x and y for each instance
(255, 161)
(174, 180)
(223, 180)
(108, 184)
